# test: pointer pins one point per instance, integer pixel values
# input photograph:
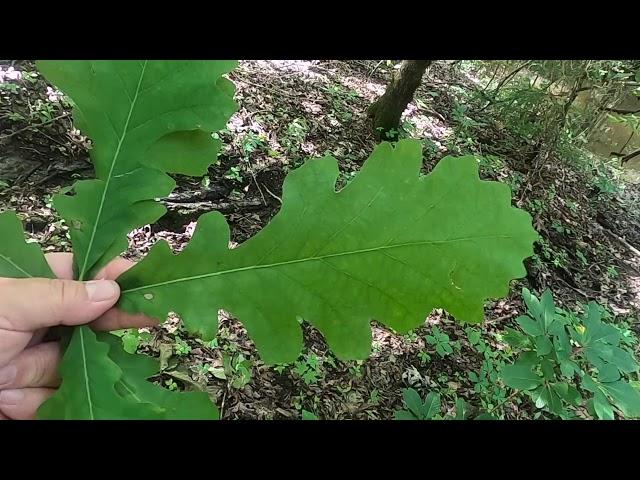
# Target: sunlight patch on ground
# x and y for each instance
(370, 90)
(302, 68)
(9, 73)
(426, 126)
(634, 288)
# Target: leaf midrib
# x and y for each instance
(309, 259)
(86, 373)
(83, 270)
(15, 265)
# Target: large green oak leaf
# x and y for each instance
(391, 246)
(19, 259)
(144, 118)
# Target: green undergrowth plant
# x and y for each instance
(573, 365)
(237, 370)
(441, 343)
(309, 369)
(491, 393)
(430, 408)
(391, 246)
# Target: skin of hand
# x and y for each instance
(30, 307)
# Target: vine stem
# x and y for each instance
(515, 393)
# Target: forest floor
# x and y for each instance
(293, 110)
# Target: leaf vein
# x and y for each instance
(309, 259)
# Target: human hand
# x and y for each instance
(30, 307)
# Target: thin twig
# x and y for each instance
(29, 127)
(61, 172)
(375, 68)
(503, 82)
(510, 76)
(258, 185)
(622, 111)
(51, 138)
(224, 397)
(633, 249)
(433, 113)
(26, 175)
(279, 92)
(510, 397)
(272, 194)
(508, 316)
(255, 180)
(495, 72)
(577, 290)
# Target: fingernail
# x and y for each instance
(101, 290)
(11, 397)
(7, 374)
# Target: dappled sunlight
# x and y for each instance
(632, 170)
(426, 126)
(9, 73)
(586, 218)
(294, 111)
(367, 88)
(634, 286)
(304, 69)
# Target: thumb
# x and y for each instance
(33, 303)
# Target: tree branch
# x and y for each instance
(628, 157)
(622, 111)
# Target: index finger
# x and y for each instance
(115, 268)
(116, 319)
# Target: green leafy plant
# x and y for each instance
(424, 357)
(280, 367)
(411, 336)
(181, 347)
(237, 370)
(491, 394)
(485, 380)
(294, 136)
(462, 409)
(464, 122)
(440, 341)
(171, 385)
(474, 336)
(430, 148)
(356, 369)
(392, 245)
(606, 184)
(251, 142)
(309, 369)
(582, 258)
(306, 415)
(234, 173)
(558, 227)
(416, 408)
(568, 362)
(340, 99)
(131, 339)
(428, 409)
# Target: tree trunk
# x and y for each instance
(387, 110)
